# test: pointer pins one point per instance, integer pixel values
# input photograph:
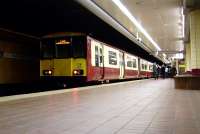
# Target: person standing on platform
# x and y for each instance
(163, 71)
(155, 72)
(173, 71)
(158, 71)
(166, 71)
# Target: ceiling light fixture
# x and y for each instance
(164, 55)
(178, 56)
(133, 19)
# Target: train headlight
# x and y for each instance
(78, 72)
(47, 72)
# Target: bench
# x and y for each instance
(187, 82)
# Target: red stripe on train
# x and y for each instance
(131, 73)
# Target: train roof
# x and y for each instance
(63, 34)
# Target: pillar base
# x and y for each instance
(196, 72)
(188, 72)
(187, 82)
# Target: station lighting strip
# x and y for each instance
(90, 5)
(135, 22)
(164, 55)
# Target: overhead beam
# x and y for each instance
(168, 52)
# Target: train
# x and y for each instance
(77, 57)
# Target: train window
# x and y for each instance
(47, 49)
(134, 63)
(96, 56)
(112, 56)
(150, 67)
(101, 55)
(143, 66)
(65, 47)
(101, 51)
(63, 50)
(79, 47)
(129, 63)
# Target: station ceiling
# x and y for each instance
(40, 17)
(162, 19)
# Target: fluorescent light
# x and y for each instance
(164, 55)
(137, 35)
(133, 19)
(178, 56)
(165, 58)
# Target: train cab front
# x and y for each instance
(63, 58)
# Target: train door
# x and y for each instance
(121, 65)
(139, 67)
(99, 61)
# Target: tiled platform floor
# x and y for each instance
(146, 107)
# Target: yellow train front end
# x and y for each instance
(63, 58)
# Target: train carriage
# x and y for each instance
(72, 57)
(105, 61)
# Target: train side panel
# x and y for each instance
(143, 68)
(111, 63)
(131, 66)
(106, 63)
(94, 60)
(102, 61)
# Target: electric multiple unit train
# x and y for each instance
(69, 57)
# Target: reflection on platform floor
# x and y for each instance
(143, 107)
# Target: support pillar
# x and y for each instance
(188, 58)
(177, 66)
(195, 41)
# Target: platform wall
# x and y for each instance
(19, 60)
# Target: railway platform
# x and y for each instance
(134, 107)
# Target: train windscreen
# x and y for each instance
(65, 47)
(47, 49)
